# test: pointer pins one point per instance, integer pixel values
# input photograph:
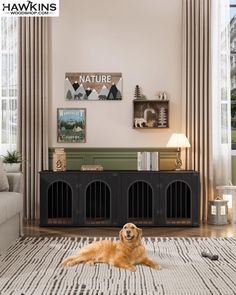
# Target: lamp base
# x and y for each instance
(178, 161)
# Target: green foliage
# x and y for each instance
(12, 157)
(233, 108)
(233, 136)
(233, 94)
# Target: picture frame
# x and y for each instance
(150, 114)
(93, 86)
(71, 125)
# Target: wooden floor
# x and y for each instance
(204, 230)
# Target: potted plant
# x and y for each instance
(12, 161)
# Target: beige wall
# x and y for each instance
(139, 38)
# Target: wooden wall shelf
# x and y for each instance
(150, 114)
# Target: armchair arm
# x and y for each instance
(15, 182)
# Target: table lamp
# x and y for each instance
(178, 140)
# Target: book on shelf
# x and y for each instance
(148, 161)
(155, 161)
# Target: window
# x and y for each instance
(233, 70)
(8, 84)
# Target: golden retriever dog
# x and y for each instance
(126, 253)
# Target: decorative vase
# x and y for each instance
(12, 167)
(59, 160)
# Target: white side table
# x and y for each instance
(228, 193)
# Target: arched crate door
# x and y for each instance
(140, 202)
(178, 202)
(59, 203)
(98, 203)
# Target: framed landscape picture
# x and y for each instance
(150, 114)
(93, 86)
(71, 125)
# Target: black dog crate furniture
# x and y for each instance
(112, 198)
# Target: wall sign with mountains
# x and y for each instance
(93, 86)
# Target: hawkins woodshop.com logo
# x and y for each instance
(29, 8)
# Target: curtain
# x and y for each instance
(33, 107)
(205, 113)
(221, 85)
(8, 84)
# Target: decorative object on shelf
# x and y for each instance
(162, 120)
(138, 93)
(161, 95)
(59, 160)
(178, 140)
(93, 86)
(164, 95)
(12, 161)
(217, 212)
(228, 193)
(71, 125)
(150, 114)
(91, 168)
(139, 122)
(148, 161)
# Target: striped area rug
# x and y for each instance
(32, 266)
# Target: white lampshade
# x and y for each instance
(178, 140)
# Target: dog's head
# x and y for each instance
(130, 233)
